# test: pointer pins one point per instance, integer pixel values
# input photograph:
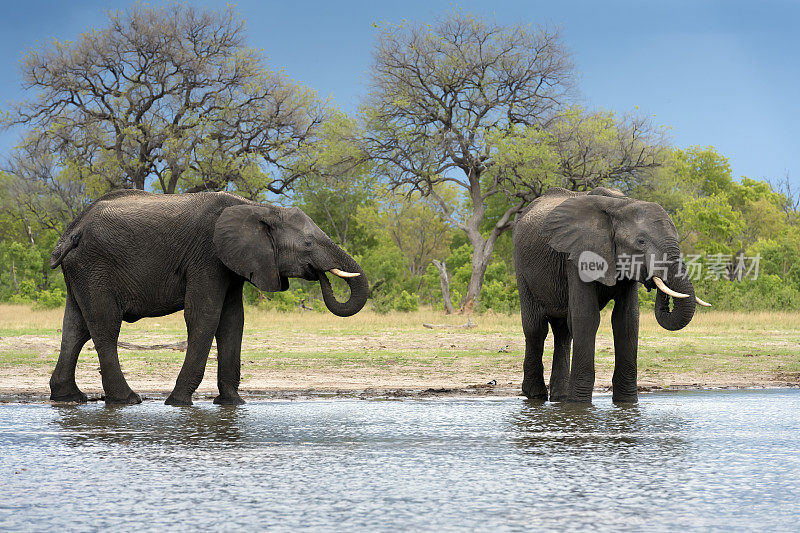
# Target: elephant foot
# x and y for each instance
(178, 401)
(130, 399)
(579, 400)
(537, 397)
(625, 398)
(69, 393)
(533, 392)
(229, 399)
(558, 397)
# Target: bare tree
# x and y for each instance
(157, 92)
(578, 151)
(447, 100)
(790, 204)
(438, 91)
(35, 188)
(444, 280)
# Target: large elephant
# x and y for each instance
(133, 254)
(567, 247)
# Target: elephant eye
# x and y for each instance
(640, 240)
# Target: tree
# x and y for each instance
(711, 224)
(447, 100)
(168, 94)
(704, 169)
(414, 224)
(337, 183)
(35, 191)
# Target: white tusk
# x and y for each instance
(343, 274)
(701, 302)
(663, 286)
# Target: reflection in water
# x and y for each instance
(115, 424)
(576, 428)
(710, 460)
(594, 458)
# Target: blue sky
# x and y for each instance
(722, 73)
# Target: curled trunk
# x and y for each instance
(359, 288)
(682, 308)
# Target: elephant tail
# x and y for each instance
(63, 247)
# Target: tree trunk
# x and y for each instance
(448, 304)
(14, 277)
(475, 283)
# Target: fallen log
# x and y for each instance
(178, 346)
(469, 324)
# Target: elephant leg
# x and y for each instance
(559, 377)
(74, 334)
(202, 314)
(625, 324)
(534, 325)
(584, 319)
(104, 320)
(229, 347)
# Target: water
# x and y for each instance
(723, 460)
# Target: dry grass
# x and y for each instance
(22, 319)
(301, 350)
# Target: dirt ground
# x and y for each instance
(386, 363)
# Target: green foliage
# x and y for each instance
(702, 171)
(25, 275)
(714, 225)
(780, 257)
(768, 292)
(406, 302)
(50, 299)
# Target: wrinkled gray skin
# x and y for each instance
(548, 239)
(133, 254)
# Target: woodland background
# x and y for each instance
(464, 123)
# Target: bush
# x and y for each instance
(281, 301)
(41, 299)
(768, 292)
(52, 299)
(501, 297)
(406, 302)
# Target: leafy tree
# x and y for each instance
(169, 94)
(703, 169)
(337, 184)
(414, 224)
(710, 224)
(36, 192)
(449, 101)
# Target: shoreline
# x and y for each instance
(22, 396)
(293, 355)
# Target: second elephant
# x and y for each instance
(567, 246)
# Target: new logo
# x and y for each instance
(591, 266)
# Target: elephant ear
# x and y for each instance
(243, 242)
(583, 224)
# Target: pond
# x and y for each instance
(709, 459)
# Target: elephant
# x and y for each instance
(133, 254)
(561, 241)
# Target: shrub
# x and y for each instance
(499, 296)
(406, 302)
(51, 299)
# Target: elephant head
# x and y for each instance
(622, 230)
(267, 245)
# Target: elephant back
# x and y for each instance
(539, 208)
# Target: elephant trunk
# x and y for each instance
(359, 287)
(682, 308)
